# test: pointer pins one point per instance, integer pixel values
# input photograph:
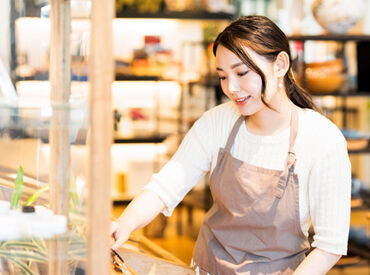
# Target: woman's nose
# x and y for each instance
(233, 86)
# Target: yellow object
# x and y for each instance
(121, 182)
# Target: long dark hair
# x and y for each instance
(265, 38)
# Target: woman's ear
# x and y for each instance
(281, 64)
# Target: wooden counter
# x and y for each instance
(145, 257)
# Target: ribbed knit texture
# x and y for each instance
(323, 168)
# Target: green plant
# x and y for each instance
(25, 253)
(35, 195)
(18, 184)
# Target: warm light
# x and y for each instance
(145, 94)
(37, 93)
(144, 26)
(148, 151)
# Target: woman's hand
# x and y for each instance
(142, 210)
(120, 232)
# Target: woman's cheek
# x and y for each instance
(223, 88)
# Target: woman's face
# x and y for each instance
(241, 84)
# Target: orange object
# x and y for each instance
(323, 77)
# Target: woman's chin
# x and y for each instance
(246, 111)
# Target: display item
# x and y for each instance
(338, 16)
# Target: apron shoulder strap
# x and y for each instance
(290, 165)
(234, 131)
(293, 130)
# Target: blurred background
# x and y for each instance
(165, 79)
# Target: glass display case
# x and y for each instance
(55, 137)
(43, 206)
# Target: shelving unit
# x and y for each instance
(188, 17)
(343, 39)
(359, 203)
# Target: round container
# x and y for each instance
(324, 77)
(338, 16)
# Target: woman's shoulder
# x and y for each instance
(319, 129)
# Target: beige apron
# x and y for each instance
(253, 226)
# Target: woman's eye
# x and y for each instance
(243, 73)
(222, 77)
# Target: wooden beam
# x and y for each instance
(59, 75)
(101, 125)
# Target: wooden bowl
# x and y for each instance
(324, 77)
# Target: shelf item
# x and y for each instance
(323, 77)
(194, 15)
(338, 16)
(362, 151)
(357, 144)
(356, 141)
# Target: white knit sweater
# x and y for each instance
(323, 168)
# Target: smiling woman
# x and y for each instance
(275, 164)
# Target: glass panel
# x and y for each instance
(43, 142)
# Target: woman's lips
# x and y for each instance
(242, 100)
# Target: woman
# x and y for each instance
(276, 166)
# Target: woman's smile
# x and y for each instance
(242, 100)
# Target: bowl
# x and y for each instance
(323, 77)
(338, 16)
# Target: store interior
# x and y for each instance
(165, 79)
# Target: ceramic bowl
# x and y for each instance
(338, 16)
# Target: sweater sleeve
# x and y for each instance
(330, 199)
(189, 164)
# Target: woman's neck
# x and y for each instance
(268, 122)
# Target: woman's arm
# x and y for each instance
(317, 262)
(141, 211)
(167, 188)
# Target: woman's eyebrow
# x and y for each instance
(232, 66)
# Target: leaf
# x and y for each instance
(17, 188)
(35, 195)
(25, 255)
(40, 244)
(25, 245)
(73, 189)
(25, 269)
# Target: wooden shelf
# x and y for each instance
(120, 77)
(194, 15)
(331, 37)
(341, 94)
(121, 198)
(149, 139)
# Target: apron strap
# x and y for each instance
(290, 165)
(234, 131)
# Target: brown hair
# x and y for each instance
(265, 38)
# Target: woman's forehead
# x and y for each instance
(225, 57)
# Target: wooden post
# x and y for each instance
(59, 75)
(101, 123)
